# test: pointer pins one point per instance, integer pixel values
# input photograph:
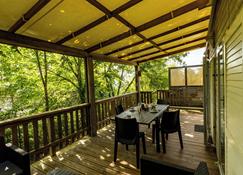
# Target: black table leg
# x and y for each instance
(157, 123)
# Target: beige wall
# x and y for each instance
(211, 101)
(234, 96)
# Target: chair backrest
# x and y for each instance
(2, 142)
(126, 130)
(2, 149)
(161, 101)
(171, 121)
(202, 169)
(119, 109)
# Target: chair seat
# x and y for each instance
(141, 134)
(131, 142)
(8, 168)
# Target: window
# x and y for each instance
(177, 77)
(194, 76)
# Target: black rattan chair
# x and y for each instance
(127, 132)
(159, 102)
(119, 109)
(13, 160)
(170, 124)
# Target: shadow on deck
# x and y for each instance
(95, 155)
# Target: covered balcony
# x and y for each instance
(80, 139)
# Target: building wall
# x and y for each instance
(225, 13)
(227, 28)
(234, 96)
(211, 101)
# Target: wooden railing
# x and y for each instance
(45, 133)
(146, 96)
(105, 108)
(182, 97)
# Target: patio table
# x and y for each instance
(146, 118)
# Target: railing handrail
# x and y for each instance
(115, 97)
(40, 115)
(146, 91)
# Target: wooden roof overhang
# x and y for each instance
(122, 31)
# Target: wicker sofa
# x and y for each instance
(13, 160)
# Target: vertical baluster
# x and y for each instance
(127, 102)
(107, 112)
(26, 137)
(14, 135)
(84, 120)
(77, 124)
(110, 110)
(130, 101)
(45, 134)
(143, 97)
(52, 136)
(102, 116)
(113, 112)
(87, 119)
(2, 131)
(59, 127)
(72, 125)
(104, 119)
(99, 112)
(66, 127)
(36, 138)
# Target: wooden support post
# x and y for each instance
(138, 74)
(91, 95)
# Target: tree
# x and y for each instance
(43, 72)
(71, 70)
(155, 73)
(113, 79)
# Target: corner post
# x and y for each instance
(91, 95)
(137, 79)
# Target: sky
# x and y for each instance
(194, 57)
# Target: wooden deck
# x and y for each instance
(95, 155)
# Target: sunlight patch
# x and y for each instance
(124, 162)
(189, 135)
(79, 157)
(50, 158)
(102, 157)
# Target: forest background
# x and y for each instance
(34, 81)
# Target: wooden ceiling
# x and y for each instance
(121, 30)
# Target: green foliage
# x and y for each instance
(155, 73)
(113, 79)
(35, 81)
(22, 89)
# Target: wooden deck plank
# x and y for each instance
(95, 155)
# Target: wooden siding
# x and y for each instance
(234, 96)
(226, 12)
(95, 155)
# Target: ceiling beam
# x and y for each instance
(122, 20)
(173, 53)
(161, 34)
(33, 43)
(198, 4)
(108, 15)
(166, 42)
(168, 48)
(28, 15)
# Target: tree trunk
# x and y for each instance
(43, 77)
